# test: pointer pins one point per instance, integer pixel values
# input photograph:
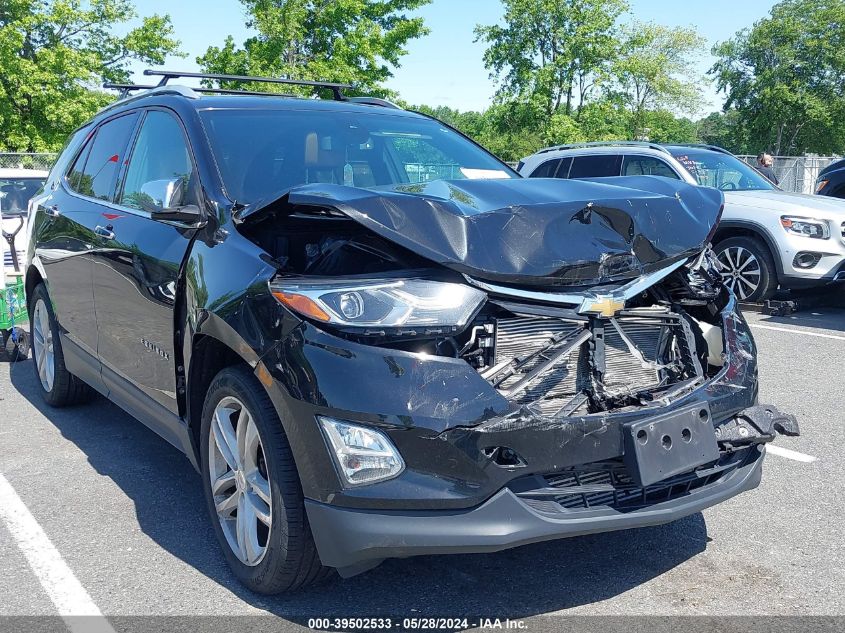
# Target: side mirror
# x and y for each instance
(162, 199)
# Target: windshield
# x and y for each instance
(16, 192)
(262, 153)
(722, 171)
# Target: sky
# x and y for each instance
(446, 67)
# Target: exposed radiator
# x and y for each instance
(521, 336)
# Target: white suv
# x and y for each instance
(767, 237)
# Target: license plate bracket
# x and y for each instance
(670, 444)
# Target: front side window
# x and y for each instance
(95, 172)
(596, 166)
(647, 166)
(262, 153)
(722, 171)
(160, 154)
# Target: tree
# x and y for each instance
(348, 41)
(725, 130)
(655, 70)
(53, 52)
(785, 77)
(551, 49)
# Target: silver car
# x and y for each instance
(766, 238)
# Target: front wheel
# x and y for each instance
(252, 488)
(747, 268)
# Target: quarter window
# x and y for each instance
(95, 171)
(160, 153)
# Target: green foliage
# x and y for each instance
(53, 52)
(348, 41)
(554, 50)
(725, 130)
(654, 70)
(785, 78)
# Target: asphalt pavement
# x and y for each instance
(125, 513)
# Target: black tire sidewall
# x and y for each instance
(239, 383)
(768, 274)
(57, 396)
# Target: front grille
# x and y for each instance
(608, 485)
(519, 337)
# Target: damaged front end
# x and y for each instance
(531, 408)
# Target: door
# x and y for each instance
(136, 273)
(66, 238)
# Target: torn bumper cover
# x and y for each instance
(483, 475)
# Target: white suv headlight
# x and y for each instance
(363, 455)
(393, 303)
(805, 227)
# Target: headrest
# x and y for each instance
(320, 153)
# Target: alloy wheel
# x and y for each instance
(740, 270)
(42, 345)
(239, 481)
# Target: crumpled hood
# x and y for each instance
(537, 232)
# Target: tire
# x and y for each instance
(749, 268)
(14, 344)
(285, 558)
(65, 389)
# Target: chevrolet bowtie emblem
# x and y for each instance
(604, 305)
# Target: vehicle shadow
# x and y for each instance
(530, 580)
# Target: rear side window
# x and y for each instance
(597, 166)
(547, 169)
(647, 166)
(160, 154)
(95, 171)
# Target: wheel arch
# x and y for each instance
(739, 228)
(32, 279)
(213, 347)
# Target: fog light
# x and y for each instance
(363, 455)
(806, 259)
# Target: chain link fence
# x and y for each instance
(796, 173)
(27, 160)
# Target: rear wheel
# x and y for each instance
(252, 488)
(59, 387)
(747, 268)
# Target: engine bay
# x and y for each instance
(553, 359)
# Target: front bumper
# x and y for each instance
(444, 419)
(356, 540)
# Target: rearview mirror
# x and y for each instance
(162, 199)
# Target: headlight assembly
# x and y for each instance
(409, 304)
(805, 227)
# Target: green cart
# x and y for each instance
(15, 340)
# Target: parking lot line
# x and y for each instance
(790, 454)
(794, 331)
(65, 591)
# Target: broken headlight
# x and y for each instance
(394, 303)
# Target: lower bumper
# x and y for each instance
(356, 540)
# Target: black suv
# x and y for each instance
(374, 339)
